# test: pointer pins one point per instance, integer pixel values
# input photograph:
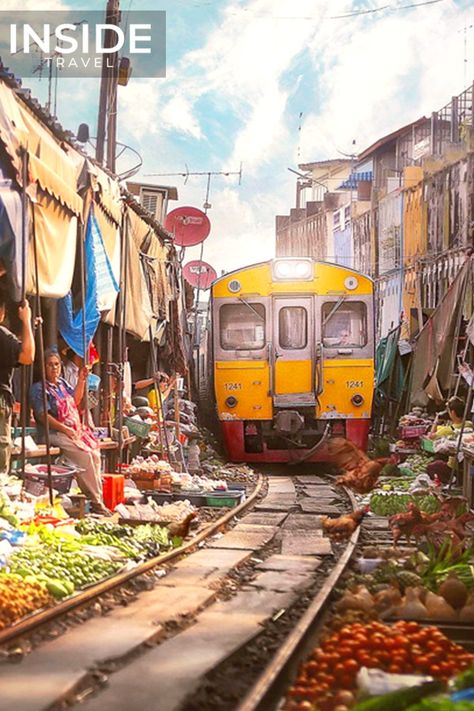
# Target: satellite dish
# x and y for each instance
(199, 274)
(189, 226)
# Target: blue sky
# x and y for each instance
(240, 72)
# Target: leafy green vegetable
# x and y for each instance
(442, 705)
(445, 560)
(399, 700)
(465, 680)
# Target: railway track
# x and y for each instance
(255, 592)
(42, 617)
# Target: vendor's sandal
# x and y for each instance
(100, 509)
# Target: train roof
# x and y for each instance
(269, 261)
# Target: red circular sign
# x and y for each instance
(188, 225)
(199, 274)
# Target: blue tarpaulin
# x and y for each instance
(100, 281)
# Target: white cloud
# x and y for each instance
(177, 114)
(379, 74)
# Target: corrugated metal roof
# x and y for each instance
(390, 137)
(354, 179)
(322, 163)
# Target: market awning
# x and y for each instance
(354, 179)
(11, 235)
(53, 168)
(56, 238)
(436, 344)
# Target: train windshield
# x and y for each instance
(242, 326)
(293, 327)
(345, 325)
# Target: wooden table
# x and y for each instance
(37, 453)
(110, 449)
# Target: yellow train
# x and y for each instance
(291, 349)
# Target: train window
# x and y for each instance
(242, 327)
(293, 327)
(344, 324)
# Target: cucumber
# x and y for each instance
(400, 700)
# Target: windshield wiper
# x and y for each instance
(262, 318)
(335, 308)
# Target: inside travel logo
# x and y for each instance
(80, 44)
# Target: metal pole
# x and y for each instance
(159, 399)
(82, 237)
(43, 369)
(24, 247)
(121, 334)
(197, 346)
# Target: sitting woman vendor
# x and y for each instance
(455, 409)
(66, 430)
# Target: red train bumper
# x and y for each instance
(233, 436)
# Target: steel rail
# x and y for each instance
(42, 617)
(260, 695)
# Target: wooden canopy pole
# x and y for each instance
(43, 369)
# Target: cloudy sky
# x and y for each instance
(240, 73)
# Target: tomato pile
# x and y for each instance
(327, 680)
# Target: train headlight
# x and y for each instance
(231, 401)
(357, 400)
(289, 269)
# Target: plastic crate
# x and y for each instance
(29, 431)
(135, 427)
(227, 498)
(37, 482)
(113, 488)
(413, 431)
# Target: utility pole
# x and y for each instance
(107, 118)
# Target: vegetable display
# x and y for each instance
(388, 504)
(20, 597)
(329, 675)
(64, 571)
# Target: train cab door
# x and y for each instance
(293, 346)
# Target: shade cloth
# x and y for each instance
(436, 344)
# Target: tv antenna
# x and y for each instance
(465, 30)
(209, 173)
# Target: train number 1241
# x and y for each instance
(354, 383)
(232, 386)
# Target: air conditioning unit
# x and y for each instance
(152, 200)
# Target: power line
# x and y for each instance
(357, 13)
(391, 8)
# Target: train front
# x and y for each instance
(293, 359)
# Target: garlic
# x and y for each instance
(438, 608)
(411, 607)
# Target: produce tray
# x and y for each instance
(403, 450)
(36, 482)
(196, 499)
(226, 498)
